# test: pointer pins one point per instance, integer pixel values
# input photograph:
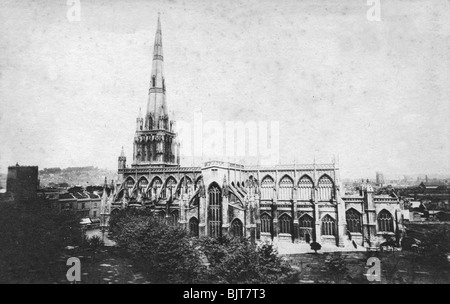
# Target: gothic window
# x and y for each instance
(285, 223)
(142, 184)
(153, 81)
(174, 216)
(236, 228)
(193, 226)
(286, 188)
(129, 183)
(267, 185)
(266, 223)
(325, 188)
(171, 184)
(156, 186)
(385, 221)
(163, 84)
(305, 224)
(215, 211)
(353, 220)
(328, 225)
(305, 188)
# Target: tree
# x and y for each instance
(315, 246)
(94, 243)
(162, 252)
(239, 261)
(172, 256)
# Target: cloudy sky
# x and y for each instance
(375, 93)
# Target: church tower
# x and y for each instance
(155, 141)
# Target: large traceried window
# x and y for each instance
(266, 223)
(328, 225)
(325, 187)
(353, 220)
(267, 185)
(305, 188)
(237, 228)
(286, 189)
(385, 221)
(215, 211)
(284, 223)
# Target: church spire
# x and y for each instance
(156, 106)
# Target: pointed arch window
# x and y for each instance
(267, 185)
(385, 221)
(286, 188)
(305, 188)
(325, 186)
(215, 211)
(305, 224)
(171, 184)
(153, 81)
(193, 226)
(353, 220)
(266, 223)
(236, 228)
(156, 186)
(285, 223)
(174, 216)
(328, 225)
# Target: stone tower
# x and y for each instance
(155, 141)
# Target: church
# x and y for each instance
(297, 203)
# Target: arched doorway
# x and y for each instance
(236, 229)
(215, 211)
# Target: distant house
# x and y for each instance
(87, 204)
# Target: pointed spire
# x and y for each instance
(122, 154)
(157, 49)
(157, 97)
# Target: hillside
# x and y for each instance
(76, 176)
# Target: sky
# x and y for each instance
(374, 93)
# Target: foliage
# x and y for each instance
(161, 251)
(239, 261)
(32, 239)
(336, 267)
(315, 246)
(435, 249)
(94, 243)
(171, 256)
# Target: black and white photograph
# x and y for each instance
(207, 143)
